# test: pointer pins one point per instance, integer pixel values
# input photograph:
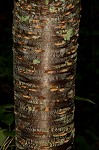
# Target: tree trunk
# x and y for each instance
(44, 56)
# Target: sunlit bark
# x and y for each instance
(44, 56)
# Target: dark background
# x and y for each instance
(87, 78)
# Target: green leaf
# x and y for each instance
(2, 116)
(84, 99)
(2, 110)
(92, 135)
(83, 145)
(10, 133)
(8, 119)
(2, 136)
(8, 106)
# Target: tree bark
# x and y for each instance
(44, 58)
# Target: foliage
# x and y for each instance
(84, 99)
(7, 134)
(87, 119)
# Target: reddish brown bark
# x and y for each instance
(44, 52)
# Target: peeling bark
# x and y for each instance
(44, 57)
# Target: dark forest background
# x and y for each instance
(87, 78)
